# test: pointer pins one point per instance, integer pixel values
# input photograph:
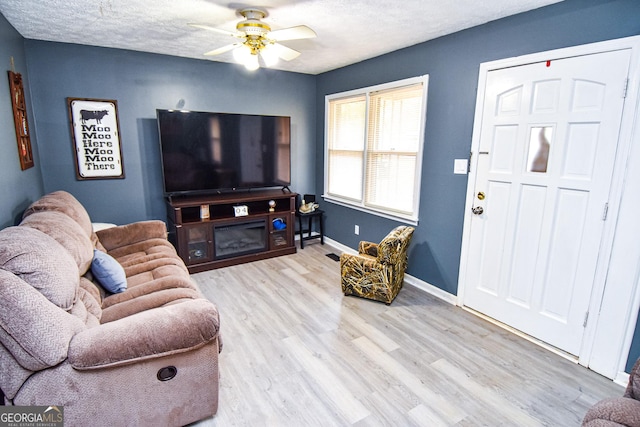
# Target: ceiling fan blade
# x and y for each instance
(292, 33)
(284, 52)
(217, 30)
(223, 49)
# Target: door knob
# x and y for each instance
(477, 210)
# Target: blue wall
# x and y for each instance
(142, 83)
(452, 63)
(18, 188)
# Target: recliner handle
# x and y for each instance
(167, 373)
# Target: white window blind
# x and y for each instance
(392, 148)
(346, 141)
(373, 147)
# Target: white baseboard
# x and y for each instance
(622, 379)
(339, 246)
(431, 289)
(409, 279)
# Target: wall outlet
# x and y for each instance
(356, 230)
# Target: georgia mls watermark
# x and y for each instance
(31, 416)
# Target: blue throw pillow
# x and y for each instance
(108, 272)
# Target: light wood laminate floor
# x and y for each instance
(299, 353)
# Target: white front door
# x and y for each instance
(548, 142)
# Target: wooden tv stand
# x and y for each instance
(224, 239)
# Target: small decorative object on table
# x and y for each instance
(308, 207)
(241, 210)
(279, 224)
(204, 212)
(272, 205)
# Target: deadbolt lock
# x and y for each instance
(481, 195)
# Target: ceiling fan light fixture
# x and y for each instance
(257, 40)
(269, 55)
(242, 54)
(252, 63)
(246, 56)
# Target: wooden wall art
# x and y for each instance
(20, 120)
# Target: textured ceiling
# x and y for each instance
(349, 31)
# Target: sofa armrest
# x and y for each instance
(616, 411)
(633, 385)
(122, 235)
(34, 330)
(154, 333)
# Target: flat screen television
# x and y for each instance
(206, 152)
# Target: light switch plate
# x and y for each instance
(460, 166)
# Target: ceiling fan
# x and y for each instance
(257, 39)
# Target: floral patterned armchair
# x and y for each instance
(377, 271)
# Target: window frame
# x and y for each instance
(361, 205)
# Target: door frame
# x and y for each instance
(606, 314)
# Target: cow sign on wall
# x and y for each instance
(96, 138)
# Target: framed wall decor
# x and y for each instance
(20, 120)
(96, 138)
